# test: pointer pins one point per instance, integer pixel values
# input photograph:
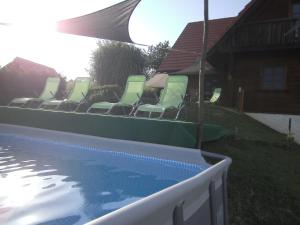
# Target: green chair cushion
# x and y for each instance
(152, 108)
(20, 100)
(133, 91)
(171, 97)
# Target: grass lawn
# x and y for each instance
(264, 178)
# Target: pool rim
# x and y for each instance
(210, 178)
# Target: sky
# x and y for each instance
(33, 34)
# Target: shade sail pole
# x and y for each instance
(200, 110)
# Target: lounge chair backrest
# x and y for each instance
(216, 95)
(80, 89)
(50, 88)
(174, 92)
(133, 90)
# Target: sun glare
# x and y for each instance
(28, 36)
(29, 40)
(34, 27)
(29, 21)
(33, 35)
(13, 191)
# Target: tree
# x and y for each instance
(156, 54)
(113, 62)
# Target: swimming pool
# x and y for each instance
(58, 178)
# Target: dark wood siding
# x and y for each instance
(264, 35)
(247, 74)
(271, 9)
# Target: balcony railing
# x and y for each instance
(283, 33)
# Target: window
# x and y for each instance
(273, 78)
(296, 9)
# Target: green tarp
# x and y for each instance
(174, 133)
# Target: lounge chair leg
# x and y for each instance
(136, 112)
(23, 105)
(57, 107)
(77, 107)
(132, 110)
(177, 114)
(40, 105)
(149, 116)
(162, 114)
(108, 111)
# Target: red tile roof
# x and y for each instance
(24, 66)
(190, 44)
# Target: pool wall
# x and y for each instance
(201, 199)
(166, 132)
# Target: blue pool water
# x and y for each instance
(44, 182)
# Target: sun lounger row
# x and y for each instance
(47, 99)
(48, 93)
(171, 97)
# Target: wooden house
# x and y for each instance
(260, 58)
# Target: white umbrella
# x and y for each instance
(158, 81)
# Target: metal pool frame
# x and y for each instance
(200, 200)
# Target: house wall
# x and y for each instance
(247, 74)
(244, 65)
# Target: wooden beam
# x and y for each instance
(201, 76)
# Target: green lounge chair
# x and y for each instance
(172, 97)
(49, 92)
(131, 96)
(216, 95)
(75, 98)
